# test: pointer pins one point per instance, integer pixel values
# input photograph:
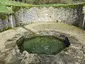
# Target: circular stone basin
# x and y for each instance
(43, 45)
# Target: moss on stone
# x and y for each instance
(2, 16)
(57, 5)
(5, 28)
(16, 8)
(51, 5)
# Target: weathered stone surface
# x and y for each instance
(45, 14)
(71, 55)
(51, 1)
(8, 22)
(14, 57)
(83, 25)
(50, 14)
(30, 58)
(11, 54)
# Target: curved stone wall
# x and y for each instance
(72, 14)
(73, 54)
(10, 53)
(49, 1)
(67, 15)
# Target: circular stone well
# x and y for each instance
(74, 54)
(44, 44)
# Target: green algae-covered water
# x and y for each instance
(43, 45)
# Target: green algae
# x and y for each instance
(43, 45)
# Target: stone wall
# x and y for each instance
(83, 25)
(49, 1)
(8, 22)
(46, 14)
(69, 15)
(4, 24)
